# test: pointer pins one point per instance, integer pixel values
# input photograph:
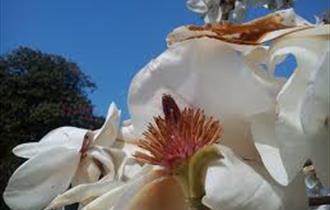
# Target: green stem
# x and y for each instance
(191, 176)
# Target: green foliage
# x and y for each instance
(39, 92)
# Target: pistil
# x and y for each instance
(182, 142)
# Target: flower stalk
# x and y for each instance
(191, 176)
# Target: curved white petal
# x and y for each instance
(87, 172)
(233, 184)
(267, 144)
(300, 131)
(107, 134)
(118, 156)
(207, 74)
(129, 169)
(106, 200)
(105, 159)
(284, 151)
(69, 137)
(83, 193)
(133, 187)
(35, 183)
(127, 131)
(310, 55)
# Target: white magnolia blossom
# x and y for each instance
(66, 155)
(226, 81)
(298, 128)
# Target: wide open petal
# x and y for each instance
(203, 73)
(299, 131)
(68, 137)
(107, 134)
(40, 179)
(234, 184)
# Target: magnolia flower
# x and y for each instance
(298, 128)
(198, 71)
(182, 144)
(66, 155)
(216, 68)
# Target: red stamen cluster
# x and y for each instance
(176, 137)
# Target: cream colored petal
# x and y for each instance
(207, 74)
(118, 156)
(83, 193)
(104, 158)
(234, 184)
(106, 200)
(163, 193)
(115, 197)
(107, 134)
(299, 132)
(69, 137)
(87, 172)
(35, 183)
(127, 131)
(309, 53)
(129, 169)
(145, 176)
(267, 144)
(284, 150)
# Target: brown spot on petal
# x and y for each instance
(250, 33)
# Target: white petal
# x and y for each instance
(267, 144)
(309, 54)
(127, 131)
(134, 186)
(233, 184)
(35, 183)
(117, 195)
(300, 132)
(105, 159)
(87, 172)
(106, 200)
(107, 134)
(82, 193)
(284, 150)
(69, 137)
(203, 72)
(129, 169)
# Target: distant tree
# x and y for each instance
(39, 92)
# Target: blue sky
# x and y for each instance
(110, 40)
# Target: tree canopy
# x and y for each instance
(39, 92)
